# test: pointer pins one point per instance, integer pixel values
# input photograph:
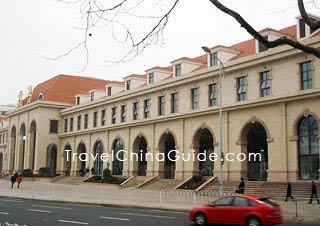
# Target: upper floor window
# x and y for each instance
(92, 96)
(161, 103)
(78, 100)
(79, 122)
(135, 110)
(146, 108)
(53, 126)
(174, 103)
(65, 125)
(95, 119)
(114, 115)
(103, 117)
(195, 98)
(261, 46)
(213, 59)
(86, 121)
(151, 78)
(242, 88)
(265, 83)
(71, 124)
(123, 113)
(109, 91)
(213, 94)
(306, 75)
(128, 85)
(177, 69)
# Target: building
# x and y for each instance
(271, 108)
(4, 123)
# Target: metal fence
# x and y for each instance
(165, 199)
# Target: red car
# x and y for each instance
(247, 210)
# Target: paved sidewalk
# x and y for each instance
(106, 195)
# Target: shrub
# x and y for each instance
(106, 173)
(27, 173)
(43, 171)
(94, 179)
(197, 178)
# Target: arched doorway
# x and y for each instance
(140, 147)
(81, 164)
(98, 163)
(52, 159)
(22, 147)
(117, 164)
(67, 156)
(1, 162)
(167, 146)
(308, 145)
(32, 145)
(203, 144)
(257, 146)
(13, 139)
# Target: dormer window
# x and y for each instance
(262, 47)
(109, 91)
(40, 96)
(303, 29)
(177, 69)
(213, 59)
(92, 96)
(128, 85)
(78, 100)
(151, 78)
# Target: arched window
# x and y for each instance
(308, 148)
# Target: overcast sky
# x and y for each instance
(47, 27)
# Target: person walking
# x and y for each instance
(93, 171)
(314, 194)
(13, 180)
(289, 192)
(242, 186)
(19, 180)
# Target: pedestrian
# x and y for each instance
(87, 172)
(314, 194)
(289, 191)
(19, 180)
(241, 186)
(13, 180)
(93, 171)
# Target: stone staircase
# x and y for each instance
(70, 180)
(135, 181)
(165, 184)
(275, 190)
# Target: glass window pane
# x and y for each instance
(239, 201)
(224, 202)
(304, 145)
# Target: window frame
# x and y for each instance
(114, 115)
(146, 108)
(103, 117)
(242, 88)
(213, 94)
(86, 121)
(161, 105)
(195, 95)
(79, 122)
(174, 102)
(135, 110)
(95, 119)
(309, 71)
(265, 83)
(178, 70)
(123, 113)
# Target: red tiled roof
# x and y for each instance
(169, 68)
(196, 60)
(63, 88)
(136, 76)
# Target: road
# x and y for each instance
(39, 213)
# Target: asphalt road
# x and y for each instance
(40, 213)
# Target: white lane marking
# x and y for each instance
(53, 207)
(8, 200)
(40, 211)
(3, 213)
(114, 218)
(146, 215)
(73, 222)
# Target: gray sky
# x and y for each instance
(47, 27)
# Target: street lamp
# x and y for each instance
(221, 76)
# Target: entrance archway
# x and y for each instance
(52, 159)
(117, 164)
(98, 163)
(140, 147)
(167, 146)
(1, 162)
(203, 144)
(256, 139)
(22, 147)
(32, 145)
(81, 164)
(308, 148)
(13, 139)
(67, 156)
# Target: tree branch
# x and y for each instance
(269, 44)
(314, 24)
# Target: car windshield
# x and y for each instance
(268, 202)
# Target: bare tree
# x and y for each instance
(98, 14)
(314, 24)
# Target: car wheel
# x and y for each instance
(254, 222)
(200, 219)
